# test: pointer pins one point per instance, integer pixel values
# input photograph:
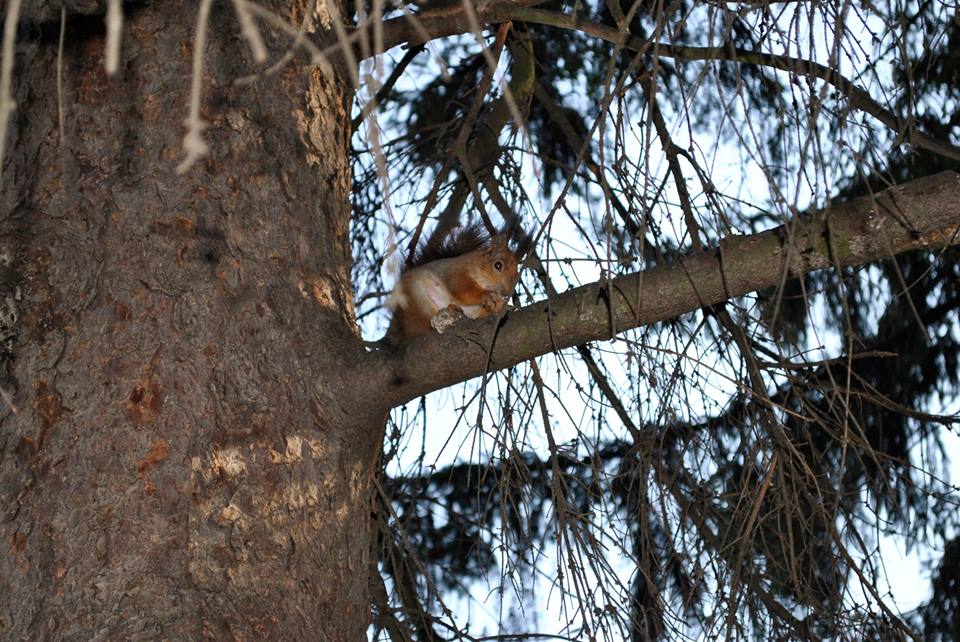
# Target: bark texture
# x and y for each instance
(180, 464)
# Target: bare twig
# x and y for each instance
(194, 145)
(63, 32)
(8, 399)
(7, 105)
(317, 56)
(388, 85)
(114, 32)
(249, 30)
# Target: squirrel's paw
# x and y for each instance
(446, 318)
(491, 302)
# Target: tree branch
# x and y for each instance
(452, 20)
(924, 213)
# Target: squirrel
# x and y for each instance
(468, 273)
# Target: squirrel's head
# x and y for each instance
(498, 266)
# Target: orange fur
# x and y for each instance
(469, 282)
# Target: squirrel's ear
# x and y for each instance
(499, 243)
(523, 239)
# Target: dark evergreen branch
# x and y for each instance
(454, 20)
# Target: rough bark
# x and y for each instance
(924, 213)
(180, 465)
(36, 12)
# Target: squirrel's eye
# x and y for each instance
(498, 265)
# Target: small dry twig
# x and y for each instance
(7, 105)
(249, 30)
(114, 31)
(193, 143)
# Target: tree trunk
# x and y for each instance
(170, 466)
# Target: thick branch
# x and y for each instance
(451, 20)
(924, 213)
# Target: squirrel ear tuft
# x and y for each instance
(500, 242)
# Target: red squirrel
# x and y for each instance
(468, 273)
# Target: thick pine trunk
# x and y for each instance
(184, 463)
